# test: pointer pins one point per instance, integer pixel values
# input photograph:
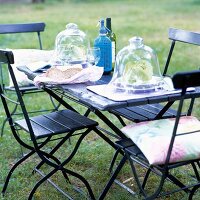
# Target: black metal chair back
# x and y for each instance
(181, 36)
(176, 36)
(183, 80)
(8, 57)
(52, 127)
(37, 27)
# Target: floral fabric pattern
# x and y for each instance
(153, 139)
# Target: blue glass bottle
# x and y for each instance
(105, 45)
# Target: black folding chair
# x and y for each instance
(158, 111)
(54, 128)
(30, 88)
(162, 146)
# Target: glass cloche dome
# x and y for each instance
(71, 45)
(136, 68)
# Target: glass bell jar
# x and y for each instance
(71, 45)
(136, 68)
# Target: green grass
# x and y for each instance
(146, 18)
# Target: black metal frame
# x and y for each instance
(36, 27)
(46, 132)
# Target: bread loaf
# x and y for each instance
(61, 73)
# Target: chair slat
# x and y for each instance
(19, 28)
(78, 118)
(184, 36)
(186, 79)
(39, 131)
(129, 114)
(143, 113)
(57, 123)
(156, 108)
(6, 56)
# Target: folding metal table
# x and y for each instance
(98, 104)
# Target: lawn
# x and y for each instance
(149, 19)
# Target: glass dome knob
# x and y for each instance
(136, 42)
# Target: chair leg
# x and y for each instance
(32, 151)
(72, 154)
(113, 160)
(6, 120)
(3, 126)
(106, 139)
(196, 171)
(158, 190)
(55, 148)
(120, 119)
(13, 168)
(177, 182)
(91, 194)
(67, 171)
(198, 178)
(140, 186)
(113, 177)
(50, 155)
(135, 175)
(57, 161)
(56, 107)
(60, 166)
(52, 183)
(194, 189)
(40, 182)
(87, 112)
(145, 178)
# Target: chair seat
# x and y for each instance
(124, 143)
(131, 148)
(56, 123)
(135, 153)
(143, 113)
(157, 133)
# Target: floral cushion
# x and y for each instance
(153, 139)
